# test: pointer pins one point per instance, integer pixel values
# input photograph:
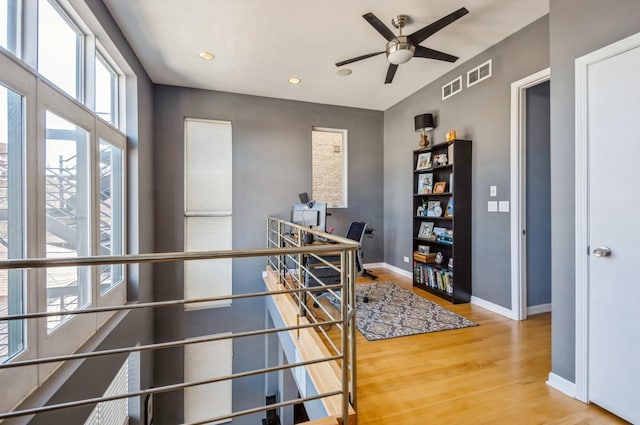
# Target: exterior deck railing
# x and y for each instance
(282, 249)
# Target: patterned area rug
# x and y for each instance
(393, 312)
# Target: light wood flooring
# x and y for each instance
(494, 373)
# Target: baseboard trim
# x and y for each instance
(538, 309)
(561, 384)
(394, 269)
(487, 305)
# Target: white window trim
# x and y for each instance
(450, 84)
(477, 69)
(345, 163)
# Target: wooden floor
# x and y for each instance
(494, 373)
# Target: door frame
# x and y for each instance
(518, 191)
(582, 203)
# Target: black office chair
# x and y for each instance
(357, 231)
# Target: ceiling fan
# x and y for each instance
(401, 48)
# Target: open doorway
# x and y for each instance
(530, 196)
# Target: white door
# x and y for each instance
(613, 126)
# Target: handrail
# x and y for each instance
(343, 353)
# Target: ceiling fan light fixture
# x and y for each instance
(400, 50)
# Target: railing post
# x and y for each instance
(280, 243)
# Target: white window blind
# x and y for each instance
(203, 361)
(114, 412)
(208, 208)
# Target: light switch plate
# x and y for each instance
(493, 190)
(492, 206)
(503, 206)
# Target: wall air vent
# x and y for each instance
(452, 88)
(479, 73)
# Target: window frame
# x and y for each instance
(19, 73)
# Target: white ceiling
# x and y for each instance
(259, 44)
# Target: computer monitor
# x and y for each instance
(314, 217)
(304, 198)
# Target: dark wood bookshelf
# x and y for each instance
(457, 174)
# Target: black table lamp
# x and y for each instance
(423, 123)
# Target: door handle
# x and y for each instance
(602, 251)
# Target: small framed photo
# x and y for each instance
(424, 161)
(425, 183)
(426, 230)
(439, 187)
(440, 159)
(434, 209)
(423, 249)
(449, 211)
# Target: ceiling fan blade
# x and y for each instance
(379, 26)
(391, 71)
(420, 35)
(424, 52)
(359, 58)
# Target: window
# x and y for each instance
(207, 360)
(11, 219)
(111, 198)
(451, 88)
(62, 181)
(67, 214)
(329, 166)
(106, 90)
(479, 73)
(59, 49)
(208, 215)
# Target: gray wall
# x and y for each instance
(577, 27)
(480, 113)
(93, 377)
(538, 178)
(271, 165)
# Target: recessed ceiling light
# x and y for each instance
(294, 80)
(206, 55)
(344, 72)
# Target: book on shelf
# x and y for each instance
(433, 277)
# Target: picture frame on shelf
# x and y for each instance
(440, 159)
(448, 212)
(424, 161)
(440, 187)
(425, 183)
(423, 249)
(438, 231)
(434, 209)
(426, 230)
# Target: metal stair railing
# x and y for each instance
(343, 358)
